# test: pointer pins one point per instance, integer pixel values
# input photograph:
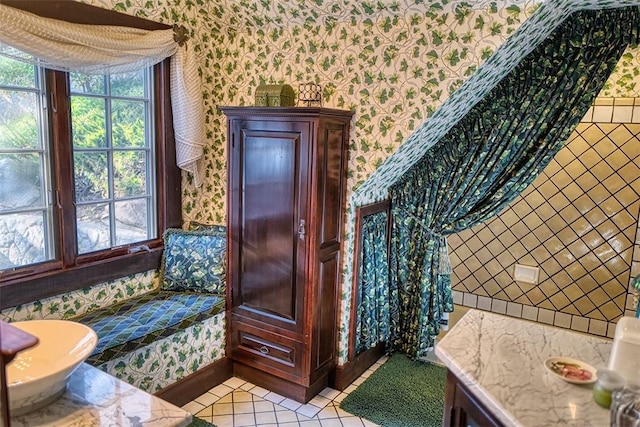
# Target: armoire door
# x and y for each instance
(269, 175)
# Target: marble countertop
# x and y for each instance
(95, 398)
(500, 359)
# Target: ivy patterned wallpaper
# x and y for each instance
(84, 300)
(392, 62)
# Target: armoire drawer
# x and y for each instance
(258, 348)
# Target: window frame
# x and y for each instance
(69, 271)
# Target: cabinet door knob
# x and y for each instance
(264, 349)
(301, 229)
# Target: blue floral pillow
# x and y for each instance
(194, 260)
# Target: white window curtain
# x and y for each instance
(104, 49)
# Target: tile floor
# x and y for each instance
(237, 403)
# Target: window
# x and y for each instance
(113, 159)
(26, 219)
(88, 180)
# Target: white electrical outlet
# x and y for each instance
(526, 274)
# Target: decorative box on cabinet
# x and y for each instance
(285, 198)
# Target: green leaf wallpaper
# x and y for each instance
(393, 62)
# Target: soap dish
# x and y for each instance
(571, 370)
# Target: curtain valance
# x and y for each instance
(105, 49)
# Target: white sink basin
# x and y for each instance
(39, 375)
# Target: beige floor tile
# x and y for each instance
(207, 399)
(290, 404)
(286, 417)
(331, 422)
(227, 398)
(320, 401)
(329, 393)
(223, 409)
(259, 391)
(351, 422)
(328, 412)
(242, 420)
(223, 420)
(234, 382)
(274, 397)
(340, 397)
(263, 406)
(266, 418)
(243, 408)
(242, 396)
(221, 390)
(206, 412)
(247, 386)
(308, 410)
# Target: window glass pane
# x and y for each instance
(91, 176)
(88, 122)
(16, 73)
(114, 160)
(19, 123)
(84, 83)
(21, 182)
(26, 236)
(131, 221)
(128, 118)
(22, 239)
(94, 228)
(129, 85)
(129, 173)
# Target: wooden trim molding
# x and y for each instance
(81, 13)
(184, 391)
(361, 212)
(345, 374)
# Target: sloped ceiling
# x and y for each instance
(544, 20)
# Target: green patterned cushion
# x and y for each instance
(137, 322)
(194, 260)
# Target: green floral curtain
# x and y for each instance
(372, 322)
(491, 156)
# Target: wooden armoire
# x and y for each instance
(286, 202)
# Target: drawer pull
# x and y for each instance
(264, 350)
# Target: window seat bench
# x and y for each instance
(157, 338)
(146, 340)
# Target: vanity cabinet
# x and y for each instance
(463, 409)
(285, 200)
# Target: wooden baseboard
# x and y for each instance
(184, 391)
(278, 385)
(347, 373)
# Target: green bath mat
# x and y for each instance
(401, 393)
(197, 422)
